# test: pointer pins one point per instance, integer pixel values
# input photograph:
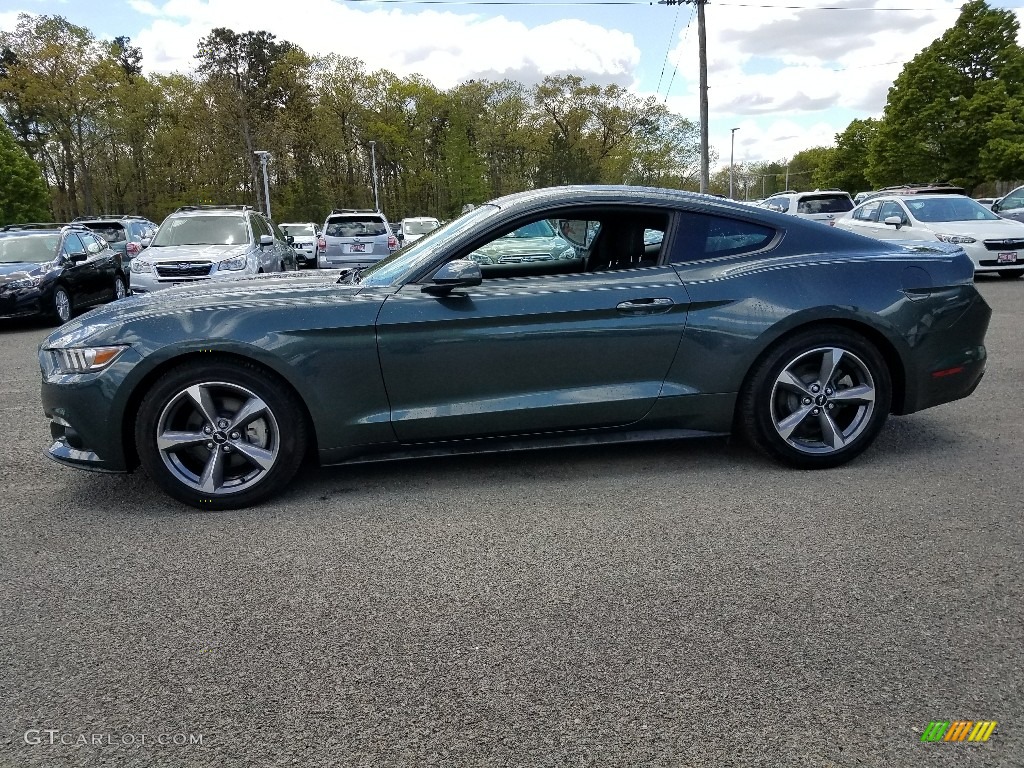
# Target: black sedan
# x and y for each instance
(54, 271)
(678, 315)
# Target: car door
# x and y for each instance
(80, 275)
(104, 261)
(906, 229)
(531, 353)
(267, 255)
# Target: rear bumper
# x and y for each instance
(951, 360)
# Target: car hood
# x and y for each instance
(983, 230)
(193, 252)
(20, 270)
(289, 289)
(514, 248)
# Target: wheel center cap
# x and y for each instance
(820, 400)
(219, 437)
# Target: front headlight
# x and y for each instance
(958, 239)
(141, 265)
(234, 264)
(84, 359)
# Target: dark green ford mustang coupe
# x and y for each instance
(674, 315)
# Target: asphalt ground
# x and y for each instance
(681, 604)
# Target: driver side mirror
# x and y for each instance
(144, 242)
(893, 221)
(266, 240)
(289, 238)
(78, 258)
(461, 273)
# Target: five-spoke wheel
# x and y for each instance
(61, 304)
(818, 399)
(220, 436)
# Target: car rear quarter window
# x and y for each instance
(780, 204)
(703, 236)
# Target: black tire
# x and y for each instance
(62, 307)
(792, 412)
(1011, 274)
(120, 287)
(257, 433)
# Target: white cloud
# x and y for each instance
(447, 48)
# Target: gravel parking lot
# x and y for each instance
(666, 605)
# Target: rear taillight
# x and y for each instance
(392, 242)
(321, 244)
(133, 249)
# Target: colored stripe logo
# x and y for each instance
(959, 730)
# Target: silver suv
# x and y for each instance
(823, 205)
(211, 242)
(356, 238)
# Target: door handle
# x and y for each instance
(639, 306)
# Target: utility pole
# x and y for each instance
(732, 154)
(373, 163)
(264, 157)
(702, 44)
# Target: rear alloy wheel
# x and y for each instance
(61, 304)
(818, 399)
(220, 436)
(120, 291)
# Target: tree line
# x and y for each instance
(109, 139)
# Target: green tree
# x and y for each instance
(23, 194)
(949, 105)
(846, 166)
(805, 166)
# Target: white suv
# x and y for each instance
(356, 238)
(823, 205)
(210, 242)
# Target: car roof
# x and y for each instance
(207, 210)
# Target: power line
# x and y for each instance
(675, 67)
(668, 50)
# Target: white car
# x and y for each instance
(994, 244)
(824, 205)
(414, 228)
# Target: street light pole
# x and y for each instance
(264, 157)
(732, 154)
(373, 163)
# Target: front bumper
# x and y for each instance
(24, 302)
(149, 282)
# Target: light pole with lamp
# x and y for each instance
(373, 163)
(264, 157)
(732, 154)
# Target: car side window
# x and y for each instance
(73, 244)
(259, 226)
(867, 212)
(892, 208)
(93, 244)
(1012, 201)
(704, 236)
(780, 204)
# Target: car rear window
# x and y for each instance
(825, 204)
(297, 230)
(112, 233)
(356, 226)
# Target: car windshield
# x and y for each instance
(411, 227)
(297, 230)
(202, 230)
(356, 226)
(33, 249)
(404, 264)
(954, 208)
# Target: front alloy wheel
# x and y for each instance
(818, 399)
(61, 304)
(220, 436)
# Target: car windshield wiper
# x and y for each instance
(350, 275)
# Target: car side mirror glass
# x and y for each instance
(995, 207)
(400, 236)
(894, 221)
(461, 273)
(78, 258)
(266, 240)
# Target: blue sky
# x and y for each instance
(786, 78)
